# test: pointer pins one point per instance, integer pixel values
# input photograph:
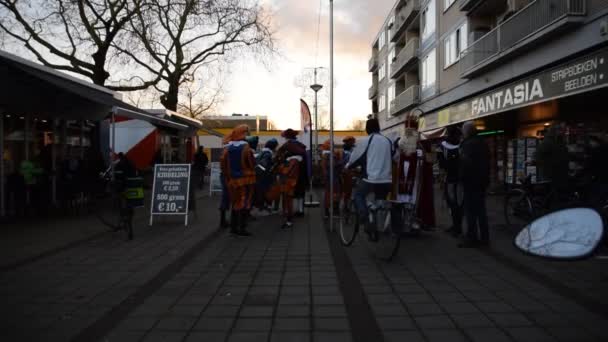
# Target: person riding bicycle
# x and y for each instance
(375, 155)
(123, 169)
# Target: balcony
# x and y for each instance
(468, 5)
(404, 18)
(407, 57)
(408, 98)
(373, 90)
(537, 20)
(373, 62)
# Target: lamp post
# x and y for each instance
(331, 115)
(314, 149)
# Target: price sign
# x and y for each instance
(171, 190)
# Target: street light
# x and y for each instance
(315, 87)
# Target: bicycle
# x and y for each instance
(126, 197)
(528, 201)
(384, 237)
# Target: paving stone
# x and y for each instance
(293, 311)
(124, 336)
(200, 336)
(221, 311)
(445, 335)
(294, 300)
(253, 324)
(395, 323)
(510, 319)
(487, 334)
(389, 310)
(494, 307)
(290, 336)
(331, 324)
(214, 324)
(530, 334)
(329, 311)
(248, 337)
(434, 322)
(295, 290)
(549, 319)
(292, 324)
(164, 336)
(570, 334)
(328, 300)
(256, 311)
(477, 320)
(449, 297)
(459, 308)
(403, 336)
(137, 323)
(344, 336)
(186, 310)
(415, 298)
(176, 323)
(424, 309)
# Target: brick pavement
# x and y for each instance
(296, 285)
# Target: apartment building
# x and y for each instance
(511, 65)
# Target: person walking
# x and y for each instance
(474, 173)
(238, 167)
(290, 157)
(264, 176)
(200, 166)
(449, 163)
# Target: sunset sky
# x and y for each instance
(258, 90)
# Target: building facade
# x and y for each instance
(506, 63)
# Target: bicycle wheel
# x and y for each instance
(518, 209)
(349, 225)
(387, 242)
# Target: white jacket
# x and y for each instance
(380, 155)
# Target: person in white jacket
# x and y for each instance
(375, 156)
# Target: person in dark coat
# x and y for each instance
(200, 166)
(449, 162)
(474, 175)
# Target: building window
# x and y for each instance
(447, 4)
(391, 97)
(454, 44)
(382, 72)
(429, 71)
(382, 103)
(382, 39)
(391, 60)
(427, 20)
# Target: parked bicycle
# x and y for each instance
(528, 201)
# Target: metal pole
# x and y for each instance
(113, 142)
(331, 115)
(2, 204)
(316, 122)
(54, 163)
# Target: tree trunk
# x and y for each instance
(170, 98)
(100, 75)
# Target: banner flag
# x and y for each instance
(306, 122)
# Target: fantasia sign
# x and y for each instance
(580, 75)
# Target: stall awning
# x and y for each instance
(30, 88)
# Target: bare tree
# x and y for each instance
(73, 36)
(357, 125)
(181, 36)
(201, 97)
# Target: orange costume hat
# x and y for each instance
(238, 133)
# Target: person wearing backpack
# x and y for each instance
(449, 162)
(375, 155)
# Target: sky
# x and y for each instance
(256, 89)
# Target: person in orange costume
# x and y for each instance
(238, 166)
(289, 159)
(325, 161)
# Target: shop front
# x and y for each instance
(514, 118)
